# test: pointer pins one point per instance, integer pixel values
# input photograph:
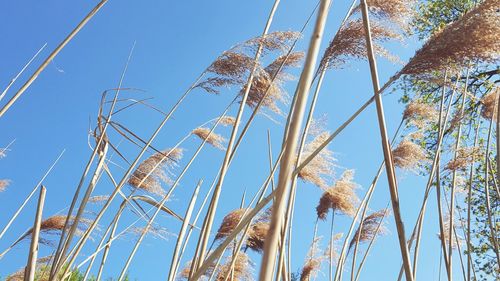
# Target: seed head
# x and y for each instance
(152, 172)
(340, 197)
(210, 137)
(473, 38)
(409, 155)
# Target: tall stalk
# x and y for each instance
(469, 209)
(18, 211)
(13, 80)
(492, 226)
(454, 179)
(52, 56)
(182, 232)
(289, 150)
(391, 177)
(29, 273)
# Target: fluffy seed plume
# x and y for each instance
(446, 232)
(41, 271)
(269, 89)
(336, 238)
(212, 138)
(233, 66)
(340, 197)
(229, 222)
(257, 236)
(98, 198)
(488, 103)
(227, 121)
(274, 41)
(473, 38)
(350, 42)
(465, 157)
(320, 169)
(55, 224)
(242, 270)
(184, 274)
(4, 184)
(371, 227)
(151, 173)
(409, 155)
(394, 11)
(420, 114)
(154, 231)
(313, 262)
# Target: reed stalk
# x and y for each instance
(287, 163)
(18, 211)
(182, 232)
(386, 146)
(454, 178)
(13, 80)
(492, 226)
(29, 273)
(52, 55)
(469, 211)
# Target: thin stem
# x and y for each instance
(391, 177)
(52, 56)
(30, 195)
(29, 273)
(182, 232)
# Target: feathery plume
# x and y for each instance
(473, 38)
(4, 184)
(335, 239)
(465, 156)
(257, 236)
(150, 174)
(274, 41)
(419, 114)
(488, 101)
(409, 155)
(340, 197)
(242, 270)
(350, 42)
(233, 66)
(313, 261)
(227, 121)
(212, 138)
(229, 222)
(446, 232)
(41, 273)
(155, 231)
(395, 11)
(372, 226)
(184, 274)
(98, 198)
(320, 169)
(55, 224)
(264, 85)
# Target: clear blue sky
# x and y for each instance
(176, 40)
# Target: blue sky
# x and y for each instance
(175, 41)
